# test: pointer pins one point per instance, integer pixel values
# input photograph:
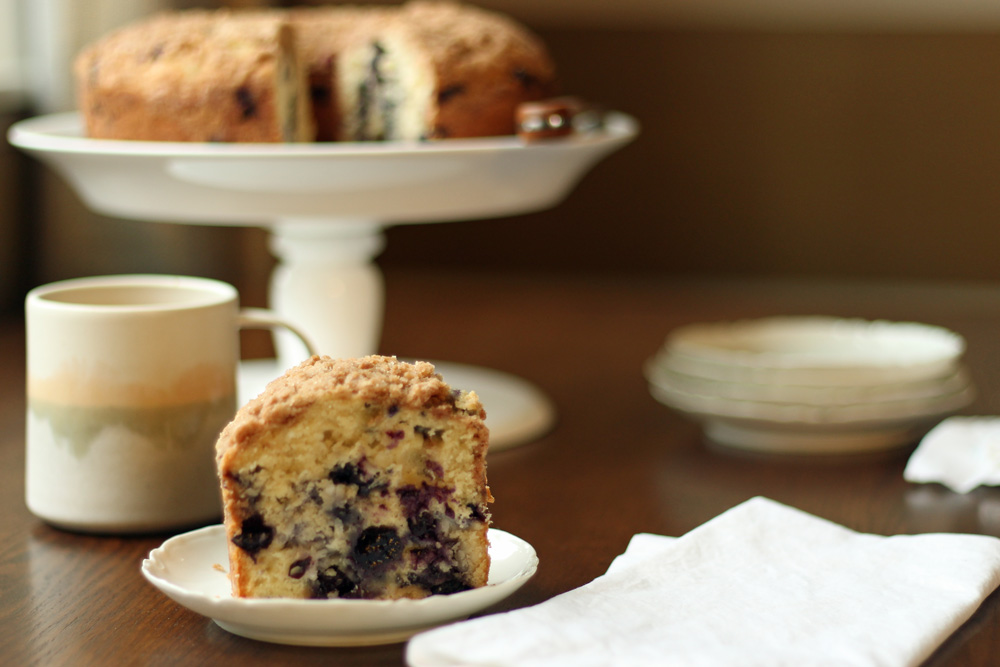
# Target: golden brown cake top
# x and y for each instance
(372, 379)
(182, 48)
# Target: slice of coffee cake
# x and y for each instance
(356, 478)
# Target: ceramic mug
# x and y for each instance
(130, 379)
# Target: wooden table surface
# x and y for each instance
(616, 463)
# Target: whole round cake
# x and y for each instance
(422, 70)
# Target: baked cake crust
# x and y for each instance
(422, 70)
(372, 379)
(358, 478)
(196, 76)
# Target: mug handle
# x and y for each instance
(262, 318)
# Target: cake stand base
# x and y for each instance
(326, 205)
(329, 286)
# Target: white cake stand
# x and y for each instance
(326, 206)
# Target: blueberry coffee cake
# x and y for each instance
(421, 70)
(356, 478)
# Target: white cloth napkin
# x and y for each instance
(961, 453)
(761, 584)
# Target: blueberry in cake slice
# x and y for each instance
(356, 478)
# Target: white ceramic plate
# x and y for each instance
(816, 415)
(813, 431)
(385, 182)
(191, 570)
(814, 350)
(661, 371)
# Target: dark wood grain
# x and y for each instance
(617, 462)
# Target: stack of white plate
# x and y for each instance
(812, 384)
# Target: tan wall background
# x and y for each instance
(853, 152)
(814, 153)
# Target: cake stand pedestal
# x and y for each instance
(326, 207)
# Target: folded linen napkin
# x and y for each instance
(961, 453)
(761, 584)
